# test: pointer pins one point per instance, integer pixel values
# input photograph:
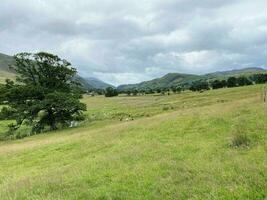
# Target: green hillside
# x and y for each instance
(174, 79)
(237, 72)
(5, 62)
(146, 147)
(165, 81)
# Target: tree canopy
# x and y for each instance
(44, 94)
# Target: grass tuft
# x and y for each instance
(240, 136)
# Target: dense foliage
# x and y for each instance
(44, 95)
(111, 92)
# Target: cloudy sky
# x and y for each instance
(127, 41)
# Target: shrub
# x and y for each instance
(111, 92)
(231, 82)
(199, 86)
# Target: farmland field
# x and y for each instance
(175, 146)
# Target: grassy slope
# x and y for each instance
(181, 153)
(5, 73)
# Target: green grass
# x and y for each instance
(183, 152)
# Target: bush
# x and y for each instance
(199, 86)
(232, 82)
(111, 92)
(217, 84)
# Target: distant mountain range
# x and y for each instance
(174, 79)
(88, 83)
(171, 79)
(92, 83)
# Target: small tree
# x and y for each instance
(44, 94)
(135, 92)
(174, 89)
(179, 89)
(232, 82)
(199, 86)
(111, 92)
(216, 84)
(242, 81)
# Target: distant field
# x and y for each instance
(146, 147)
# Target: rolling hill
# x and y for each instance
(173, 79)
(165, 81)
(236, 72)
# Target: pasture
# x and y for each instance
(174, 146)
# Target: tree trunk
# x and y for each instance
(52, 121)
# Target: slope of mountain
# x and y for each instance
(96, 83)
(166, 81)
(5, 72)
(87, 83)
(237, 72)
(173, 79)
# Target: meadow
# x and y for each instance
(176, 146)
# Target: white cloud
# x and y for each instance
(127, 41)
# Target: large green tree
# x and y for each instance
(44, 95)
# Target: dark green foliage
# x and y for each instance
(135, 92)
(242, 81)
(218, 84)
(111, 92)
(199, 86)
(259, 78)
(179, 89)
(232, 82)
(7, 113)
(45, 94)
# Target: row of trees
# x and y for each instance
(230, 82)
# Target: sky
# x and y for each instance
(128, 41)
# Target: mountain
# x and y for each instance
(237, 72)
(173, 79)
(87, 83)
(166, 81)
(96, 83)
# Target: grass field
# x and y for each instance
(146, 147)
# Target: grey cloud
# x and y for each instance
(128, 41)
